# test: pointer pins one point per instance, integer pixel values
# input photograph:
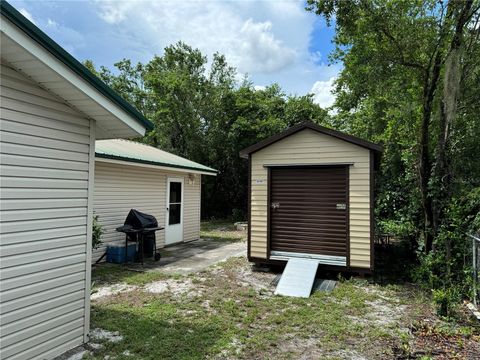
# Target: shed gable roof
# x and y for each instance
(130, 151)
(309, 125)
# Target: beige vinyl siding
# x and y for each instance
(44, 172)
(310, 147)
(192, 198)
(119, 188)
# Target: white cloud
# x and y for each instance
(52, 23)
(259, 50)
(114, 12)
(245, 32)
(316, 57)
(322, 92)
(29, 16)
(259, 87)
(72, 40)
(268, 41)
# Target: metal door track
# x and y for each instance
(322, 259)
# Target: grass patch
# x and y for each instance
(222, 316)
(153, 331)
(221, 230)
(229, 312)
(106, 274)
(211, 225)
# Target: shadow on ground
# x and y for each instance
(175, 253)
(184, 258)
(393, 265)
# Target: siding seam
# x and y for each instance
(88, 247)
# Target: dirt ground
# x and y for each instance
(229, 311)
(358, 320)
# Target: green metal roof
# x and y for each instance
(125, 150)
(56, 50)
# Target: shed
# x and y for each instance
(52, 111)
(311, 196)
(134, 175)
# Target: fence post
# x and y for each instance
(475, 270)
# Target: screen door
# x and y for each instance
(174, 218)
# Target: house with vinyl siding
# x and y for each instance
(52, 112)
(131, 175)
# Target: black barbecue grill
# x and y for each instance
(139, 227)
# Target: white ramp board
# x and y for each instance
(297, 278)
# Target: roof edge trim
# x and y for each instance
(158, 163)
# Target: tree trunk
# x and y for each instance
(429, 88)
(448, 108)
(432, 76)
(424, 173)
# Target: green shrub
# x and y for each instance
(426, 273)
(97, 231)
(449, 273)
(446, 301)
(403, 229)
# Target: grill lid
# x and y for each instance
(139, 220)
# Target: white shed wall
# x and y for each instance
(119, 188)
(46, 152)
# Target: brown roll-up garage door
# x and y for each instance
(308, 210)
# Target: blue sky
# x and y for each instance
(271, 41)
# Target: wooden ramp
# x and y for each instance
(297, 278)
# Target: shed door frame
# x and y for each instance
(312, 166)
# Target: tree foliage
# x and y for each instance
(411, 69)
(201, 112)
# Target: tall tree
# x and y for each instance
(398, 54)
(202, 113)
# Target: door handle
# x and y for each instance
(275, 205)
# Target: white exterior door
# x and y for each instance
(174, 217)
